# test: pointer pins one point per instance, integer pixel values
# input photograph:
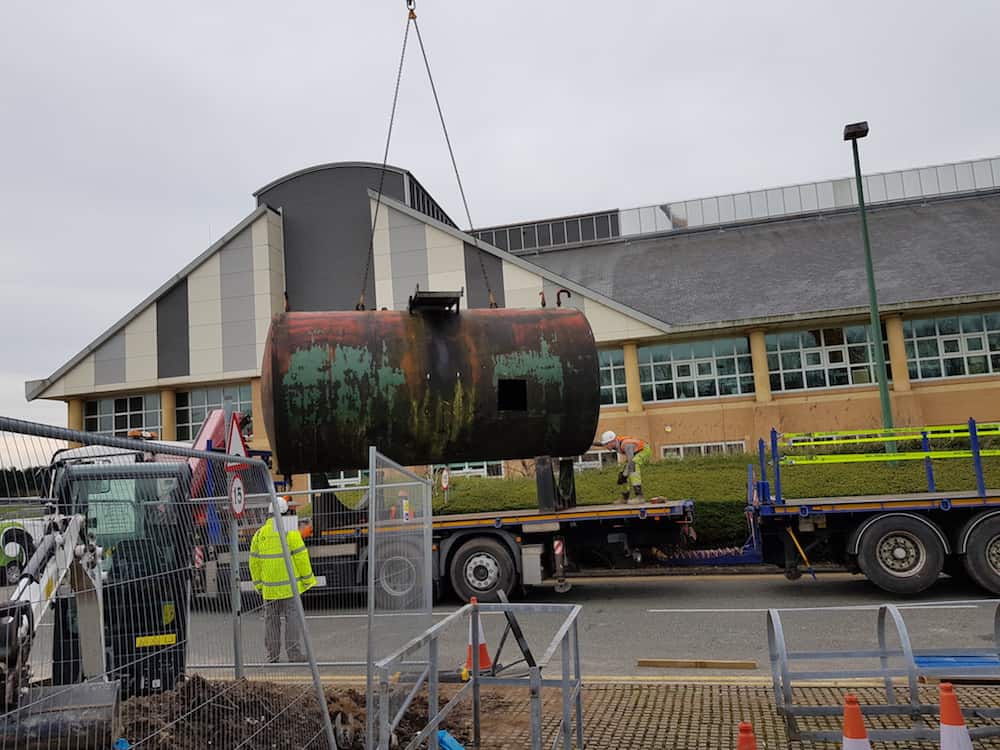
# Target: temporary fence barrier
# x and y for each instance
(405, 672)
(400, 588)
(893, 660)
(123, 626)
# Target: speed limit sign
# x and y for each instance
(237, 495)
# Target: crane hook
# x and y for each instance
(542, 295)
(411, 5)
(559, 295)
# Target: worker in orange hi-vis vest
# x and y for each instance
(636, 453)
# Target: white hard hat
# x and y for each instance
(282, 505)
(607, 436)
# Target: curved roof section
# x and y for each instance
(323, 168)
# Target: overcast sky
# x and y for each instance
(132, 137)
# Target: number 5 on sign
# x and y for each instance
(237, 495)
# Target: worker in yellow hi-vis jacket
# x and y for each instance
(270, 577)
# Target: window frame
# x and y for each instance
(680, 451)
(698, 369)
(613, 369)
(834, 350)
(989, 322)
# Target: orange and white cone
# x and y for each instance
(746, 740)
(954, 733)
(484, 652)
(855, 735)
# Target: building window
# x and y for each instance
(490, 469)
(116, 416)
(827, 358)
(595, 459)
(194, 406)
(703, 449)
(612, 369)
(953, 346)
(699, 369)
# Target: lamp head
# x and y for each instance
(855, 130)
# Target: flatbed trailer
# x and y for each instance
(480, 554)
(901, 542)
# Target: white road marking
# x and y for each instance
(851, 607)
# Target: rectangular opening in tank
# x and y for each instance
(512, 395)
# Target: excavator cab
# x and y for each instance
(112, 571)
(139, 515)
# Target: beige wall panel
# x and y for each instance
(611, 325)
(206, 362)
(203, 282)
(140, 371)
(383, 293)
(382, 264)
(275, 231)
(78, 380)
(445, 254)
(205, 337)
(205, 313)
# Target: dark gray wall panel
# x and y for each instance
(475, 286)
(173, 357)
(327, 223)
(109, 361)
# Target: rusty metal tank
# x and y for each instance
(428, 387)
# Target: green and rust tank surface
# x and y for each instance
(428, 387)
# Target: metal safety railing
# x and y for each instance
(895, 660)
(771, 461)
(421, 657)
(109, 615)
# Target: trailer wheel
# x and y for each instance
(399, 578)
(482, 568)
(901, 555)
(982, 554)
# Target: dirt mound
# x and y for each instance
(202, 714)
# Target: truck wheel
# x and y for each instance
(481, 568)
(900, 555)
(982, 554)
(399, 578)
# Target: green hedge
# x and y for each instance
(718, 485)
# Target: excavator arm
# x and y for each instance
(63, 555)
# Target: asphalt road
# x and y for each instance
(676, 617)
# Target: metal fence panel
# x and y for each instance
(400, 590)
(124, 616)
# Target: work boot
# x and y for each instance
(638, 499)
(624, 500)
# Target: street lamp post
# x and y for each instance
(852, 133)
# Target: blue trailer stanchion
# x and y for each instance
(765, 488)
(928, 466)
(977, 459)
(776, 460)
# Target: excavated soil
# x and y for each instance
(221, 714)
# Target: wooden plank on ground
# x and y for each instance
(697, 664)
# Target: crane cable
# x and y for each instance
(412, 16)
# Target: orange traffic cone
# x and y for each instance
(855, 736)
(746, 740)
(484, 652)
(954, 734)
